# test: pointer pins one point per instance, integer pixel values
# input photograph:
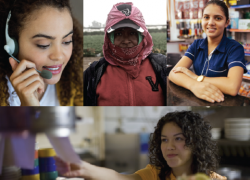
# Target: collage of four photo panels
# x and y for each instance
(125, 90)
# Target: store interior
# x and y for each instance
(184, 26)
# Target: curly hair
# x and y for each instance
(20, 10)
(198, 139)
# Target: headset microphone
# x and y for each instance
(11, 48)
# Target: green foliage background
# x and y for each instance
(93, 43)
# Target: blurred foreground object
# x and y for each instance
(231, 173)
(202, 176)
(54, 121)
(10, 173)
(18, 129)
(47, 164)
(198, 176)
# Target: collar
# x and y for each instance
(172, 177)
(221, 47)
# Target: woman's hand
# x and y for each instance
(27, 82)
(207, 91)
(72, 170)
(90, 172)
(185, 71)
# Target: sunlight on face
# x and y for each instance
(46, 40)
(173, 147)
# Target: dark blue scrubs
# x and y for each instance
(228, 53)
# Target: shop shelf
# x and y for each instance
(246, 77)
(233, 142)
(247, 54)
(185, 37)
(189, 37)
(241, 6)
(239, 30)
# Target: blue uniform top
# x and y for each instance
(227, 54)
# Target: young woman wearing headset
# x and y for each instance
(48, 38)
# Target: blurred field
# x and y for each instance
(93, 44)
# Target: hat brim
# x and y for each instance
(125, 23)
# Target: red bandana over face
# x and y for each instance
(146, 45)
(128, 59)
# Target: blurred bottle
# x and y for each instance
(168, 30)
(47, 164)
(32, 174)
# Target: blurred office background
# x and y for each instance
(77, 9)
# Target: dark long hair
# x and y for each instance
(72, 76)
(198, 139)
(223, 7)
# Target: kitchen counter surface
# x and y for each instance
(179, 96)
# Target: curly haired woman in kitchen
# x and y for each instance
(181, 144)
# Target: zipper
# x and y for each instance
(204, 66)
(130, 91)
(208, 60)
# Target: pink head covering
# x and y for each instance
(116, 16)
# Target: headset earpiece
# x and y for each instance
(11, 46)
(16, 49)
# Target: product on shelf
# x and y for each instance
(247, 14)
(232, 2)
(186, 10)
(168, 30)
(183, 47)
(244, 89)
(244, 23)
(188, 15)
(243, 2)
(246, 48)
(178, 9)
(247, 74)
(234, 17)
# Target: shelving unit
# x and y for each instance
(245, 33)
(247, 54)
(239, 30)
(241, 6)
(232, 142)
(247, 79)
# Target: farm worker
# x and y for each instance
(129, 74)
